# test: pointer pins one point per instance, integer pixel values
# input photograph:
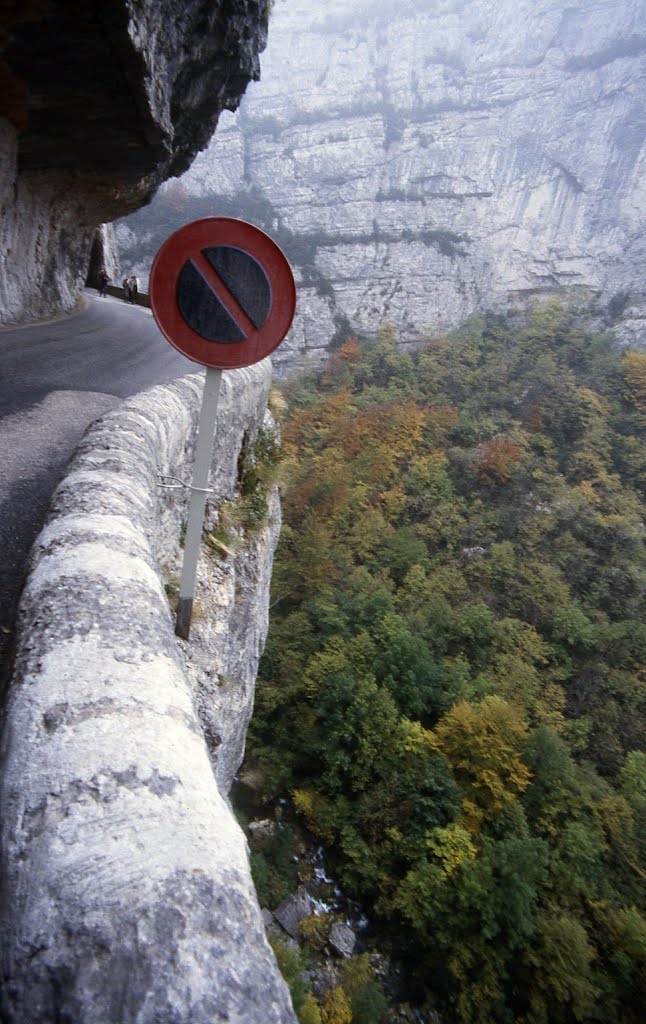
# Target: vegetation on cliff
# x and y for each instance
(453, 690)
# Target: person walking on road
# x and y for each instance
(126, 288)
(134, 287)
(104, 280)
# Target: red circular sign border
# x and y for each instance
(168, 264)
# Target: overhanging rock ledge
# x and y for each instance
(99, 103)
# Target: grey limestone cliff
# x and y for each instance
(125, 888)
(421, 161)
(99, 103)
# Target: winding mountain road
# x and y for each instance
(55, 379)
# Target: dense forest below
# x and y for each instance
(453, 691)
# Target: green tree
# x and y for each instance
(563, 988)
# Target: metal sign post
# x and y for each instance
(197, 503)
(223, 294)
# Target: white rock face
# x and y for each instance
(125, 894)
(46, 235)
(434, 159)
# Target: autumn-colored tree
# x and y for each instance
(337, 368)
(495, 461)
(484, 744)
(336, 1008)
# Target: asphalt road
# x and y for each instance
(55, 379)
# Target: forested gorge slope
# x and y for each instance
(454, 689)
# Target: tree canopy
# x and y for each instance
(454, 688)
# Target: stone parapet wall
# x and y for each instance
(126, 891)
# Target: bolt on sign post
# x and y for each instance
(223, 294)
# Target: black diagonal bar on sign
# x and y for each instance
(245, 278)
(226, 297)
(202, 309)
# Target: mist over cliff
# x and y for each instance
(421, 161)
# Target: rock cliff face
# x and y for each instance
(99, 103)
(420, 161)
(125, 892)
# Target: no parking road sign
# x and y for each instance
(222, 292)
